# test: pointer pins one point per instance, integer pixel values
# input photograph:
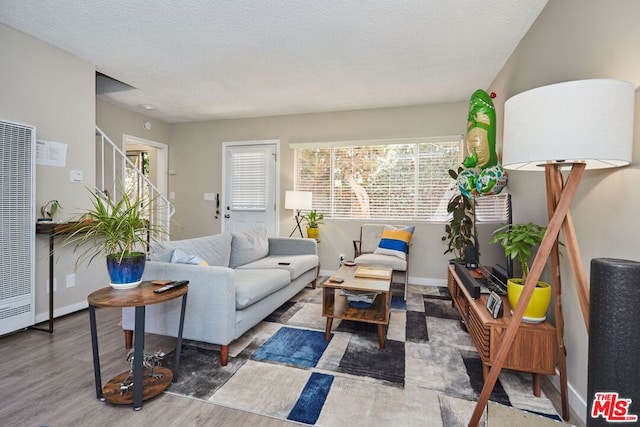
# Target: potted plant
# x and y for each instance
(518, 241)
(48, 210)
(118, 230)
(313, 219)
(459, 230)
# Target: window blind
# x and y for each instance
(405, 180)
(248, 181)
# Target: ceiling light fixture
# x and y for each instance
(147, 107)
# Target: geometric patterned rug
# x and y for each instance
(428, 374)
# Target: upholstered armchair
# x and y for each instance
(384, 245)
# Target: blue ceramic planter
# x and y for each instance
(127, 273)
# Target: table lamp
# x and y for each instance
(576, 125)
(297, 201)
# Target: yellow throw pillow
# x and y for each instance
(395, 242)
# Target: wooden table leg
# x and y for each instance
(327, 331)
(485, 372)
(381, 336)
(535, 379)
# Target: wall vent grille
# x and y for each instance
(17, 222)
(14, 311)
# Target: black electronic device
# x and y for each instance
(494, 305)
(171, 286)
(284, 263)
(471, 256)
(500, 273)
(479, 281)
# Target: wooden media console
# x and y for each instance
(533, 349)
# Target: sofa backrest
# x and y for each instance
(215, 249)
(371, 234)
(248, 246)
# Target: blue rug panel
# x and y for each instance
(293, 347)
(398, 303)
(309, 405)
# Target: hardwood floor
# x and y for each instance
(47, 380)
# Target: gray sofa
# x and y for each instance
(235, 281)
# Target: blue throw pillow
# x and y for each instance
(395, 242)
(181, 257)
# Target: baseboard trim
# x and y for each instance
(576, 402)
(62, 311)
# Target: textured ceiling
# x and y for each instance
(204, 59)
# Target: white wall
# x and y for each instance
(116, 121)
(572, 40)
(55, 92)
(196, 153)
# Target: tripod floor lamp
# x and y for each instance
(297, 201)
(573, 126)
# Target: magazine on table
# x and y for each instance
(359, 296)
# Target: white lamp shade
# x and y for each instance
(588, 121)
(297, 200)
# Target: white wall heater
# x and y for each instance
(17, 226)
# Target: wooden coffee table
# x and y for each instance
(336, 306)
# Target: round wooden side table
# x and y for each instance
(143, 387)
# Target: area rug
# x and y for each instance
(428, 374)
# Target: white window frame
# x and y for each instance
(438, 214)
(488, 209)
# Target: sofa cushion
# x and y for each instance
(254, 285)
(248, 246)
(215, 249)
(392, 262)
(298, 264)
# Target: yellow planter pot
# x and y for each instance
(536, 311)
(313, 233)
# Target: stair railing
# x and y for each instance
(111, 164)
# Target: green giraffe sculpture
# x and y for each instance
(481, 132)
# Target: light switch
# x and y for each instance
(210, 196)
(75, 176)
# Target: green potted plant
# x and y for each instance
(313, 219)
(117, 230)
(48, 210)
(518, 241)
(459, 230)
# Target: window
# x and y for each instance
(390, 180)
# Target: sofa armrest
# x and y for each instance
(292, 246)
(211, 302)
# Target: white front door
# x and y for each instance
(249, 176)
